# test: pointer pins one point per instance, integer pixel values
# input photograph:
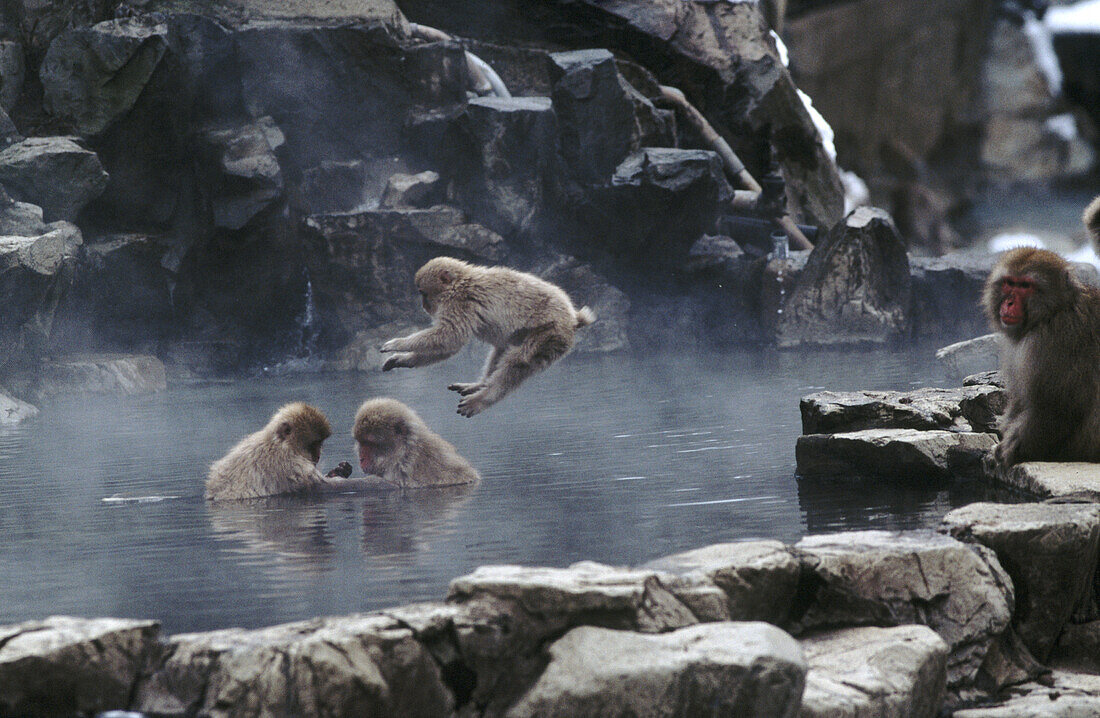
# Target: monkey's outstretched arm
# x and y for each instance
(427, 346)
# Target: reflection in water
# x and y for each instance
(620, 459)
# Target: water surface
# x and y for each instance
(619, 459)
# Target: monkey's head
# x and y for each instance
(1026, 288)
(438, 277)
(301, 427)
(383, 428)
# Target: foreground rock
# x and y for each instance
(759, 578)
(66, 666)
(1049, 551)
(970, 408)
(1050, 479)
(882, 672)
(54, 173)
(882, 578)
(353, 665)
(908, 453)
(715, 669)
(1071, 695)
(855, 288)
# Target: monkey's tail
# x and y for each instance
(1091, 218)
(585, 316)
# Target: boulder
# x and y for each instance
(947, 294)
(14, 411)
(334, 186)
(884, 672)
(20, 219)
(740, 670)
(35, 272)
(1051, 479)
(12, 73)
(596, 120)
(246, 177)
(349, 665)
(855, 288)
(9, 134)
(882, 578)
(124, 375)
(64, 666)
(586, 287)
(93, 75)
(54, 173)
(422, 189)
(1049, 551)
(971, 356)
(972, 408)
(1079, 647)
(909, 453)
(759, 578)
(1065, 695)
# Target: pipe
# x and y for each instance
(485, 79)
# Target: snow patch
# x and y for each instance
(1083, 17)
(1042, 47)
(1012, 240)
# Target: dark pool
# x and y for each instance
(619, 459)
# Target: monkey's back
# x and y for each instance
(513, 301)
(255, 467)
(436, 462)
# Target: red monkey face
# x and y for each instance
(1014, 296)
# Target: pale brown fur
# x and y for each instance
(395, 444)
(529, 322)
(1091, 218)
(280, 458)
(1050, 361)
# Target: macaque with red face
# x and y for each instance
(1050, 359)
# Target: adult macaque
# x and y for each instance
(1050, 359)
(529, 322)
(395, 444)
(280, 458)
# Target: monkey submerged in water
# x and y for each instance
(395, 444)
(280, 458)
(1050, 358)
(529, 322)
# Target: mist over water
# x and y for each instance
(620, 459)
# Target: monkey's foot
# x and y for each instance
(471, 405)
(465, 389)
(404, 359)
(393, 345)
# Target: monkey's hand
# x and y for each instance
(398, 344)
(466, 389)
(403, 359)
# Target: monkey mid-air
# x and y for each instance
(280, 458)
(395, 444)
(529, 322)
(1050, 359)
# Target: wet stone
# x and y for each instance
(908, 453)
(1052, 479)
(963, 409)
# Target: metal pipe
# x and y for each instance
(485, 79)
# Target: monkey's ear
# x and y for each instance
(445, 276)
(283, 430)
(401, 428)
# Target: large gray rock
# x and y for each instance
(759, 578)
(248, 178)
(1050, 479)
(596, 119)
(947, 294)
(123, 375)
(14, 411)
(739, 670)
(12, 73)
(971, 408)
(881, 578)
(883, 672)
(422, 189)
(1049, 551)
(971, 356)
(855, 288)
(35, 272)
(93, 75)
(911, 453)
(1066, 695)
(1079, 647)
(64, 666)
(350, 665)
(54, 173)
